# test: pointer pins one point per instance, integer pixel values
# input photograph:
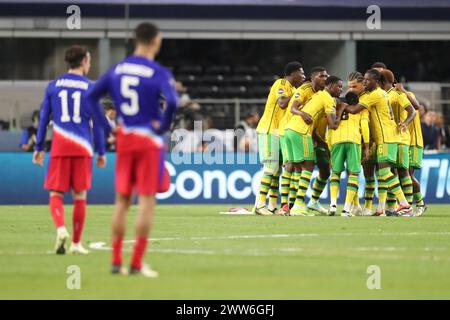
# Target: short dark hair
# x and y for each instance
(74, 55)
(351, 98)
(292, 67)
(146, 32)
(375, 74)
(378, 64)
(316, 69)
(332, 79)
(356, 75)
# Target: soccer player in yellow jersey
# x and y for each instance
(386, 136)
(416, 143)
(268, 139)
(403, 114)
(290, 177)
(415, 149)
(346, 148)
(299, 136)
(355, 85)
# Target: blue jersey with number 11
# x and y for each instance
(65, 103)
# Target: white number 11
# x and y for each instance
(76, 96)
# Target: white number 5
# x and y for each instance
(126, 82)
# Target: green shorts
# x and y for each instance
(322, 156)
(268, 147)
(346, 152)
(402, 156)
(284, 150)
(387, 152)
(300, 146)
(415, 157)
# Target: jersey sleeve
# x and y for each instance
(44, 119)
(330, 106)
(282, 90)
(99, 89)
(167, 90)
(365, 101)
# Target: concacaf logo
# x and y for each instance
(280, 91)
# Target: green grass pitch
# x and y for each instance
(203, 255)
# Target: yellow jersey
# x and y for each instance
(399, 101)
(317, 107)
(350, 128)
(272, 112)
(415, 129)
(301, 94)
(382, 123)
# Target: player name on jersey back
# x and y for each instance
(134, 69)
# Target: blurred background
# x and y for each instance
(226, 54)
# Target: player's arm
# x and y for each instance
(296, 109)
(318, 139)
(399, 87)
(411, 114)
(167, 89)
(365, 135)
(354, 109)
(38, 156)
(99, 140)
(99, 89)
(283, 101)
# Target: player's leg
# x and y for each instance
(122, 204)
(386, 155)
(124, 183)
(337, 166)
(78, 219)
(353, 158)
(266, 147)
(285, 186)
(143, 226)
(415, 162)
(319, 184)
(274, 191)
(57, 181)
(307, 154)
(369, 176)
(391, 201)
(81, 173)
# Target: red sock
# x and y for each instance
(57, 210)
(117, 243)
(79, 215)
(138, 252)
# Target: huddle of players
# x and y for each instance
(305, 123)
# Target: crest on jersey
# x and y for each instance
(297, 95)
(280, 91)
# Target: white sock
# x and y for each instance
(404, 202)
(347, 206)
(333, 202)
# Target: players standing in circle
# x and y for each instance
(138, 85)
(403, 114)
(71, 153)
(345, 143)
(268, 136)
(386, 136)
(299, 135)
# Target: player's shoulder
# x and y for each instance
(378, 93)
(306, 87)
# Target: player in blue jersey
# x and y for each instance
(137, 86)
(71, 153)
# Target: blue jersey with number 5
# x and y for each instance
(144, 95)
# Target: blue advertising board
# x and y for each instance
(194, 181)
